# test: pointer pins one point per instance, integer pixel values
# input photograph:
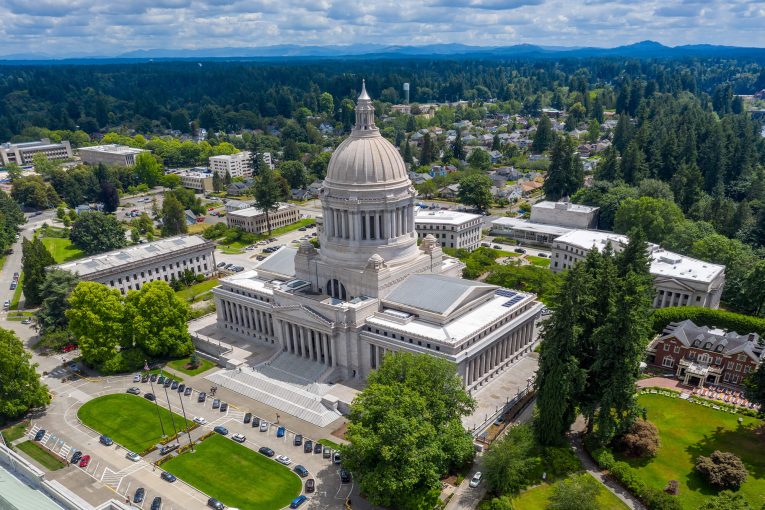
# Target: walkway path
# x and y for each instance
(612, 485)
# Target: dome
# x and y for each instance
(366, 157)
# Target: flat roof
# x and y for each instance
(136, 253)
(113, 148)
(444, 217)
(521, 224)
(569, 206)
(250, 212)
(20, 495)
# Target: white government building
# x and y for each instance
(237, 165)
(109, 154)
(23, 153)
(678, 280)
(452, 229)
(369, 290)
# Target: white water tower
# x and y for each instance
(406, 93)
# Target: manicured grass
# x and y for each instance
(128, 419)
(180, 365)
(17, 293)
(62, 249)
(15, 432)
(236, 475)
(164, 372)
(19, 315)
(538, 261)
(198, 228)
(688, 430)
(330, 443)
(41, 455)
(537, 498)
(189, 293)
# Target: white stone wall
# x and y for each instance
(466, 236)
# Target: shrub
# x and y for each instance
(726, 500)
(124, 361)
(577, 492)
(707, 317)
(501, 503)
(722, 469)
(641, 440)
(559, 461)
(511, 463)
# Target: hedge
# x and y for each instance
(737, 322)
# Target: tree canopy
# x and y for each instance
(96, 232)
(20, 386)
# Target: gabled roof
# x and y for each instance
(714, 340)
(437, 294)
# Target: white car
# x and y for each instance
(284, 460)
(476, 480)
(239, 438)
(137, 378)
(132, 456)
(200, 420)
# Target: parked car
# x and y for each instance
(150, 397)
(137, 378)
(310, 485)
(280, 432)
(220, 429)
(76, 456)
(301, 471)
(187, 391)
(542, 254)
(168, 448)
(27, 321)
(476, 480)
(255, 421)
(84, 461)
(145, 378)
(161, 379)
(268, 452)
(308, 446)
(140, 493)
(200, 420)
(132, 456)
(336, 458)
(214, 503)
(167, 382)
(40, 434)
(317, 448)
(168, 476)
(247, 417)
(327, 453)
(221, 264)
(156, 504)
(181, 388)
(223, 407)
(202, 397)
(519, 250)
(298, 501)
(298, 440)
(105, 440)
(174, 385)
(264, 426)
(239, 438)
(216, 404)
(283, 459)
(345, 475)
(153, 377)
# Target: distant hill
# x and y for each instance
(643, 49)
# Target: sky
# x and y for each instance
(106, 27)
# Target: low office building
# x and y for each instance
(548, 221)
(699, 354)
(23, 153)
(235, 165)
(110, 154)
(129, 268)
(452, 229)
(196, 179)
(526, 232)
(253, 219)
(677, 279)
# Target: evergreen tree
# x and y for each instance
(267, 193)
(217, 182)
(227, 180)
(633, 164)
(544, 136)
(458, 150)
(411, 125)
(291, 151)
(495, 143)
(109, 197)
(426, 154)
(608, 168)
(34, 259)
(622, 133)
(408, 151)
(565, 174)
(256, 157)
(173, 216)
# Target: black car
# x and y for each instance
(345, 475)
(310, 485)
(150, 397)
(301, 471)
(298, 440)
(40, 434)
(214, 503)
(308, 446)
(216, 404)
(223, 407)
(76, 456)
(519, 250)
(140, 493)
(156, 504)
(168, 448)
(168, 476)
(181, 388)
(265, 450)
(174, 385)
(145, 378)
(202, 397)
(153, 377)
(255, 421)
(317, 448)
(161, 379)
(187, 391)
(247, 417)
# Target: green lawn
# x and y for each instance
(180, 365)
(189, 293)
(62, 249)
(688, 430)
(128, 419)
(41, 455)
(537, 498)
(17, 293)
(330, 443)
(538, 261)
(236, 475)
(15, 432)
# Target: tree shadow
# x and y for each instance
(747, 441)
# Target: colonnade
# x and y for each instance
(369, 225)
(670, 298)
(498, 354)
(248, 317)
(307, 343)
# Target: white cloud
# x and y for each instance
(78, 27)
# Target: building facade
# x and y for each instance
(111, 154)
(371, 289)
(701, 355)
(252, 219)
(564, 214)
(452, 229)
(196, 179)
(677, 279)
(129, 268)
(23, 153)
(526, 232)
(236, 165)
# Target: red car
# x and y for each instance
(84, 461)
(69, 347)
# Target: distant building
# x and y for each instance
(565, 214)
(111, 154)
(236, 165)
(527, 232)
(196, 179)
(240, 187)
(22, 153)
(129, 268)
(236, 205)
(452, 229)
(677, 279)
(253, 219)
(699, 354)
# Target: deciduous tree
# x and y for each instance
(95, 318)
(156, 319)
(96, 232)
(55, 290)
(20, 386)
(475, 190)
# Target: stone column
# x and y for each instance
(222, 307)
(306, 342)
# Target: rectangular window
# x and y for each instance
(730, 365)
(726, 377)
(666, 347)
(677, 348)
(738, 367)
(668, 361)
(735, 379)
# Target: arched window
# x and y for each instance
(336, 289)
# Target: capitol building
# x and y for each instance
(333, 313)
